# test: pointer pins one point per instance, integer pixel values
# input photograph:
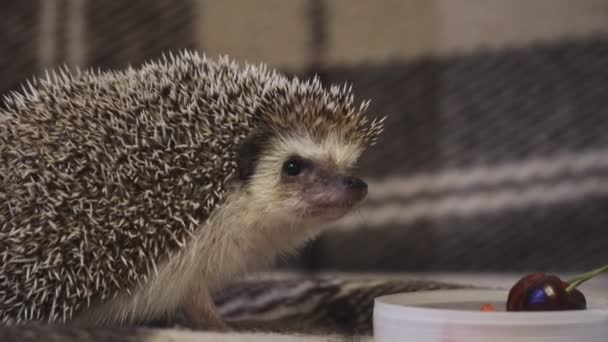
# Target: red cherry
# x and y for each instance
(538, 291)
(576, 300)
(519, 291)
(541, 292)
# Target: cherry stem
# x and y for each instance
(573, 283)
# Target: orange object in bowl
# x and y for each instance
(488, 307)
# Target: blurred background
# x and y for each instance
(495, 154)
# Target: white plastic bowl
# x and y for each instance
(455, 316)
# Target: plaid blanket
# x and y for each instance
(285, 307)
(495, 156)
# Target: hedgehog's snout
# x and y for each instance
(339, 193)
(330, 195)
(355, 189)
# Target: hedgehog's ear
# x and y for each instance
(248, 153)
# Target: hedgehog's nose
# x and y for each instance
(356, 188)
(355, 183)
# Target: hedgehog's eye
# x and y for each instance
(293, 166)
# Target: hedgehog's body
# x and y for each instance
(124, 194)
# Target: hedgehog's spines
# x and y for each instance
(138, 157)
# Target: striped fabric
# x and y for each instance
(495, 156)
(277, 307)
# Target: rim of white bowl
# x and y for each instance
(405, 306)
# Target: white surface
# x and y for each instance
(399, 317)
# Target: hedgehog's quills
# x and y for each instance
(125, 193)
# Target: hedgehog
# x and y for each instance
(129, 194)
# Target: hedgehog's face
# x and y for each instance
(298, 178)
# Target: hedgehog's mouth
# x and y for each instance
(331, 210)
(333, 200)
